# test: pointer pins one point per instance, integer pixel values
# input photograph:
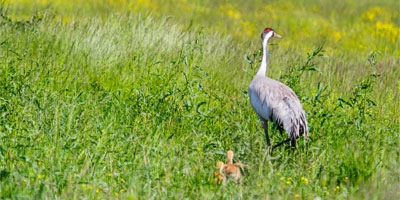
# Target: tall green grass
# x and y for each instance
(353, 28)
(134, 106)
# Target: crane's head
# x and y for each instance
(267, 34)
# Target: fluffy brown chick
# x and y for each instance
(219, 175)
(231, 169)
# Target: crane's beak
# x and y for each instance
(277, 35)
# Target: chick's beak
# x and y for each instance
(277, 35)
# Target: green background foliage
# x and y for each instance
(140, 99)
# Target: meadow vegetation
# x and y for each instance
(140, 99)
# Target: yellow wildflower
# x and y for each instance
(230, 11)
(248, 27)
(387, 30)
(296, 196)
(372, 13)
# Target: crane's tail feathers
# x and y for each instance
(296, 123)
(294, 129)
(304, 126)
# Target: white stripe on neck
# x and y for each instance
(263, 66)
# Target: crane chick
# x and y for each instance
(219, 175)
(233, 169)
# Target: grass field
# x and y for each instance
(139, 99)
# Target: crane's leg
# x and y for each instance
(265, 126)
(280, 128)
(293, 141)
(280, 143)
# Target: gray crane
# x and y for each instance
(275, 102)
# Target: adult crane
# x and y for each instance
(275, 102)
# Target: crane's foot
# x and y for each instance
(293, 144)
(269, 149)
(268, 154)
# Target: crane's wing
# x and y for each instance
(278, 104)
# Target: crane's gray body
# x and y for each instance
(274, 101)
